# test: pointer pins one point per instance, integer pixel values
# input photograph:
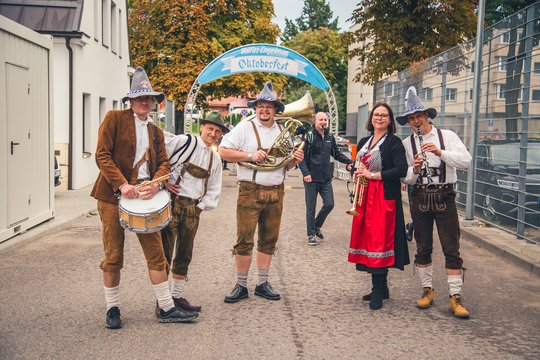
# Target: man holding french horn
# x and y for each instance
(433, 155)
(261, 174)
(131, 157)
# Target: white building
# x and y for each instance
(90, 72)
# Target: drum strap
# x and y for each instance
(135, 173)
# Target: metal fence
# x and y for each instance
(507, 177)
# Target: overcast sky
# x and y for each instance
(291, 9)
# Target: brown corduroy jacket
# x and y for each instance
(115, 154)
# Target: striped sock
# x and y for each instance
(263, 276)
(163, 296)
(241, 278)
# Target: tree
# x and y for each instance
(315, 14)
(496, 10)
(174, 40)
(392, 35)
(326, 49)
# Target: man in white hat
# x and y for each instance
(433, 155)
(195, 186)
(260, 194)
(130, 151)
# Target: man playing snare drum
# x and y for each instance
(130, 150)
(195, 185)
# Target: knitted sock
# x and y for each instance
(177, 288)
(455, 282)
(112, 297)
(163, 296)
(241, 278)
(425, 273)
(263, 276)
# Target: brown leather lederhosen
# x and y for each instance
(185, 221)
(261, 206)
(435, 203)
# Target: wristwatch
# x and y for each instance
(250, 155)
(372, 176)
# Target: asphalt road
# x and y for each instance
(52, 304)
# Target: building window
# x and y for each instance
(390, 89)
(96, 19)
(102, 108)
(87, 123)
(502, 93)
(536, 95)
(120, 22)
(505, 37)
(451, 94)
(537, 68)
(114, 28)
(425, 94)
(105, 23)
(502, 63)
(115, 104)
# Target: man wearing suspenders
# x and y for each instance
(433, 155)
(195, 186)
(260, 193)
(130, 150)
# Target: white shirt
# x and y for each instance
(243, 138)
(142, 144)
(192, 187)
(455, 155)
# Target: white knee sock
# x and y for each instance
(112, 296)
(177, 288)
(425, 274)
(455, 282)
(163, 296)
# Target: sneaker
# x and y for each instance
(183, 304)
(318, 233)
(176, 315)
(427, 298)
(457, 308)
(311, 240)
(113, 318)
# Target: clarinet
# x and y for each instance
(425, 164)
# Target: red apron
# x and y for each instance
(372, 234)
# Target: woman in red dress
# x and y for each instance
(378, 237)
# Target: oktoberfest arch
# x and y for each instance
(261, 58)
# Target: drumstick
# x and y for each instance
(161, 178)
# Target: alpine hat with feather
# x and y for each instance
(414, 105)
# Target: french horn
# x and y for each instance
(281, 152)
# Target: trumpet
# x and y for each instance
(360, 184)
(425, 165)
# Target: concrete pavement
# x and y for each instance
(53, 307)
(73, 204)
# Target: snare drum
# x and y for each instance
(145, 216)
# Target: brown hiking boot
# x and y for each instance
(183, 304)
(456, 306)
(427, 298)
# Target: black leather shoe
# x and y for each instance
(176, 315)
(238, 293)
(385, 295)
(113, 318)
(410, 230)
(376, 300)
(266, 291)
(183, 304)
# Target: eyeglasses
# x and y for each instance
(381, 116)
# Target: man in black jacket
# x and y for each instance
(318, 172)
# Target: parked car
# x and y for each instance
(497, 181)
(57, 172)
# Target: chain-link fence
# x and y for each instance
(507, 177)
